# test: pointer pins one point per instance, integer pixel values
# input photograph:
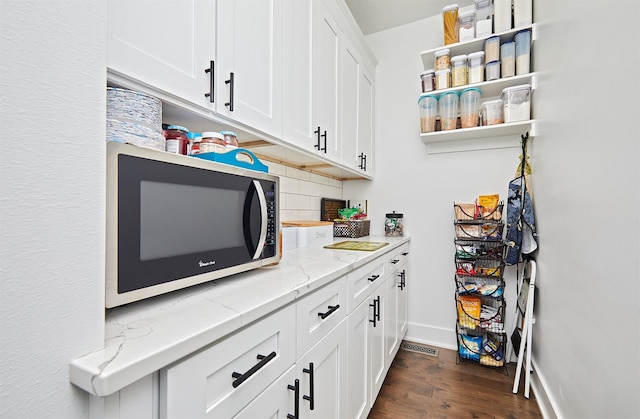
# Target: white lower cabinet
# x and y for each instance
(277, 401)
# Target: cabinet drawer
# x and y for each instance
(398, 257)
(319, 312)
(210, 383)
(363, 281)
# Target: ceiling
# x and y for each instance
(378, 15)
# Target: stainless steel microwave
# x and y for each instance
(174, 221)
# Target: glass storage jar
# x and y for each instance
(230, 140)
(212, 142)
(177, 139)
(394, 224)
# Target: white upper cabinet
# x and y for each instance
(249, 63)
(166, 44)
(350, 74)
(364, 146)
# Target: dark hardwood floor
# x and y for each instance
(422, 386)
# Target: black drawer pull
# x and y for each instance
(376, 311)
(310, 397)
(296, 403)
(328, 313)
(240, 378)
(405, 253)
(373, 277)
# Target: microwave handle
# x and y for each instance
(263, 221)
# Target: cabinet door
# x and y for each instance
(350, 96)
(277, 401)
(249, 64)
(297, 116)
(325, 94)
(167, 44)
(403, 296)
(360, 329)
(377, 364)
(328, 360)
(391, 318)
(364, 147)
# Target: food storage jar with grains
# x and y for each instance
(466, 26)
(177, 139)
(428, 104)
(492, 70)
(442, 59)
(501, 15)
(448, 106)
(212, 142)
(491, 112)
(450, 23)
(516, 103)
(230, 140)
(484, 18)
(475, 67)
(492, 49)
(523, 52)
(522, 13)
(443, 79)
(508, 59)
(469, 107)
(458, 70)
(428, 80)
(394, 224)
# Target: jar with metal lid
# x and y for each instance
(394, 224)
(212, 142)
(230, 140)
(458, 70)
(177, 139)
(442, 59)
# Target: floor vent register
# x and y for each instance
(420, 348)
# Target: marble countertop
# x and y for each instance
(145, 336)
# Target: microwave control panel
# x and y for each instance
(270, 241)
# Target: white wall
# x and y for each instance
(586, 186)
(52, 206)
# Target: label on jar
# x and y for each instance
(207, 147)
(174, 146)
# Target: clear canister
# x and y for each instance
(492, 70)
(516, 103)
(469, 107)
(492, 112)
(448, 105)
(522, 13)
(428, 80)
(450, 23)
(428, 112)
(177, 139)
(212, 142)
(466, 26)
(523, 52)
(443, 79)
(394, 224)
(230, 140)
(458, 70)
(475, 67)
(508, 59)
(492, 49)
(484, 18)
(501, 15)
(442, 59)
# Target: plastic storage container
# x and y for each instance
(428, 80)
(492, 49)
(475, 67)
(428, 104)
(443, 79)
(523, 52)
(484, 18)
(450, 23)
(492, 112)
(448, 105)
(442, 59)
(516, 103)
(469, 107)
(508, 59)
(466, 26)
(177, 139)
(394, 224)
(230, 140)
(522, 13)
(212, 142)
(492, 70)
(458, 70)
(501, 15)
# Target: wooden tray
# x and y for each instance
(355, 245)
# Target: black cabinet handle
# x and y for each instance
(361, 157)
(241, 378)
(373, 277)
(401, 285)
(296, 404)
(310, 397)
(365, 163)
(230, 82)
(394, 261)
(317, 132)
(212, 81)
(328, 313)
(376, 311)
(325, 142)
(378, 303)
(405, 253)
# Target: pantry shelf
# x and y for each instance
(499, 130)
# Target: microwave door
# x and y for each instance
(255, 219)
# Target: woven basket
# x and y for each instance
(351, 228)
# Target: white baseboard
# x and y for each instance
(430, 335)
(541, 390)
